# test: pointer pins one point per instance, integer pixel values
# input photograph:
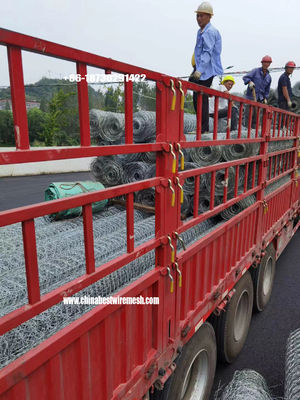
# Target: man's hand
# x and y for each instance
(289, 104)
(265, 101)
(251, 85)
(196, 75)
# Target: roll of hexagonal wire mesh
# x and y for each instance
(28, 335)
(237, 207)
(220, 181)
(146, 196)
(186, 206)
(130, 157)
(296, 89)
(189, 183)
(149, 157)
(55, 270)
(60, 190)
(108, 126)
(190, 123)
(275, 185)
(239, 150)
(135, 171)
(11, 235)
(107, 170)
(151, 171)
(144, 126)
(203, 156)
(292, 367)
(246, 385)
(280, 145)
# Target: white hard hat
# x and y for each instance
(205, 8)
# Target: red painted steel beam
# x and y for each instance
(45, 47)
(83, 106)
(88, 238)
(18, 98)
(23, 156)
(31, 262)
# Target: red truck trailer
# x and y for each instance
(206, 290)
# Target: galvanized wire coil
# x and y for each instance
(220, 181)
(238, 207)
(134, 171)
(246, 385)
(144, 126)
(292, 367)
(203, 156)
(108, 126)
(108, 171)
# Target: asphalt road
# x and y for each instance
(265, 347)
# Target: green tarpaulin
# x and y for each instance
(60, 190)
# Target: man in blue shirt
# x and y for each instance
(260, 80)
(206, 58)
(284, 87)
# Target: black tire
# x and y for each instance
(195, 369)
(233, 324)
(263, 279)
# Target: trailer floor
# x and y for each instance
(264, 350)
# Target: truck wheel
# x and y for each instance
(263, 279)
(232, 325)
(195, 369)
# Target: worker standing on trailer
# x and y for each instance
(206, 58)
(259, 81)
(284, 87)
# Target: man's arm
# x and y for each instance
(249, 77)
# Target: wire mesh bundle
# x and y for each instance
(296, 89)
(240, 150)
(106, 125)
(275, 185)
(190, 123)
(204, 201)
(149, 157)
(237, 207)
(144, 126)
(280, 145)
(189, 183)
(207, 155)
(246, 385)
(220, 181)
(292, 367)
(197, 232)
(135, 171)
(151, 171)
(107, 170)
(146, 196)
(186, 206)
(130, 157)
(61, 259)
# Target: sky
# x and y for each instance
(155, 34)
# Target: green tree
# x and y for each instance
(36, 121)
(7, 137)
(57, 121)
(7, 105)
